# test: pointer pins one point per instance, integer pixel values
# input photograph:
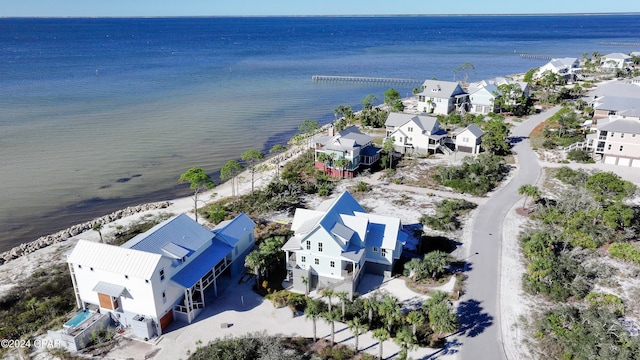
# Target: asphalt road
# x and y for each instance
(480, 336)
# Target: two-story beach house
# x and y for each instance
(468, 140)
(568, 68)
(483, 94)
(335, 244)
(615, 61)
(342, 154)
(415, 134)
(160, 275)
(442, 97)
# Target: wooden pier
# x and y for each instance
(615, 43)
(365, 79)
(535, 57)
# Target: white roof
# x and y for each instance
(115, 259)
(617, 56)
(440, 89)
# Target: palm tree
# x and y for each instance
(98, 227)
(254, 260)
(370, 304)
(414, 318)
(357, 327)
(343, 296)
(442, 319)
(312, 311)
(381, 335)
(390, 310)
(528, 190)
(331, 317)
(435, 262)
(407, 342)
(342, 164)
(328, 293)
(305, 281)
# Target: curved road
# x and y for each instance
(480, 335)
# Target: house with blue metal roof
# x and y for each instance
(161, 275)
(334, 245)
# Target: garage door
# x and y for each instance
(466, 149)
(636, 163)
(610, 160)
(624, 161)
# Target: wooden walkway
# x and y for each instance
(535, 57)
(364, 79)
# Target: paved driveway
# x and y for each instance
(479, 311)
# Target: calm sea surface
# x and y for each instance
(99, 114)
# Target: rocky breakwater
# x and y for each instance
(63, 235)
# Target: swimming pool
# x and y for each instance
(78, 319)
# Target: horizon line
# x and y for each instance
(305, 16)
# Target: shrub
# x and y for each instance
(581, 156)
(476, 176)
(625, 251)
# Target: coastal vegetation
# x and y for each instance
(447, 216)
(198, 181)
(43, 301)
(476, 176)
(566, 264)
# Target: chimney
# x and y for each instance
(331, 130)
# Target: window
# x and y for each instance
(79, 266)
(316, 261)
(161, 274)
(410, 129)
(383, 252)
(308, 245)
(319, 247)
(126, 276)
(609, 147)
(612, 134)
(303, 259)
(164, 297)
(146, 281)
(621, 135)
(375, 249)
(332, 264)
(621, 146)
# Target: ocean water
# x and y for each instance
(98, 114)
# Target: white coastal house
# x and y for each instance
(482, 99)
(335, 244)
(468, 140)
(419, 134)
(615, 61)
(160, 275)
(483, 94)
(568, 68)
(441, 97)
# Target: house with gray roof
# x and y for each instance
(615, 61)
(343, 154)
(335, 244)
(161, 275)
(415, 134)
(618, 141)
(568, 68)
(442, 97)
(468, 140)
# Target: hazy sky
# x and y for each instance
(305, 7)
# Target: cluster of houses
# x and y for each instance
(172, 272)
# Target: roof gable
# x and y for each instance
(180, 230)
(440, 89)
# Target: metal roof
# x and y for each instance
(441, 89)
(180, 230)
(115, 259)
(109, 289)
(390, 228)
(196, 269)
(424, 122)
(230, 232)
